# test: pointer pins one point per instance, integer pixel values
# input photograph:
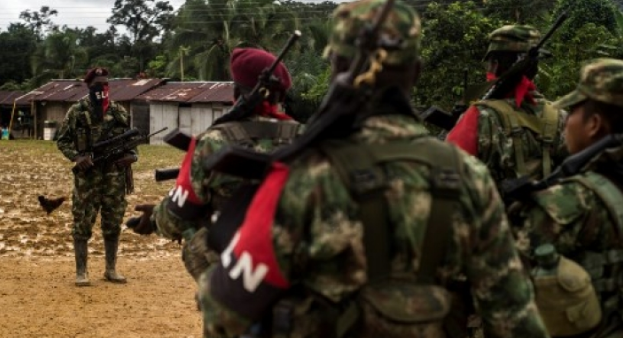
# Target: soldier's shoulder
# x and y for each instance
(76, 108)
(567, 201)
(118, 107)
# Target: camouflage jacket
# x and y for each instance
(116, 121)
(497, 149)
(576, 219)
(211, 190)
(316, 217)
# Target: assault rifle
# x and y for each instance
(245, 105)
(520, 188)
(115, 147)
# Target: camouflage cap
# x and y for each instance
(513, 38)
(600, 80)
(403, 25)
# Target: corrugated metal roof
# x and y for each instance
(74, 90)
(129, 89)
(8, 96)
(192, 92)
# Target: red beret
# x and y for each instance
(246, 65)
(98, 73)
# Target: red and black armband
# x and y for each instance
(183, 201)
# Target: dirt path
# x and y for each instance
(37, 294)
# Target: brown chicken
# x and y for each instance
(50, 205)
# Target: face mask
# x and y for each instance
(98, 94)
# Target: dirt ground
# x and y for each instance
(37, 293)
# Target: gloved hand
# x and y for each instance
(83, 162)
(142, 225)
(126, 160)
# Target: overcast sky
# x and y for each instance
(73, 13)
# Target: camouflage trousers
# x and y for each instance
(95, 191)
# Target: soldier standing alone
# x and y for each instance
(101, 187)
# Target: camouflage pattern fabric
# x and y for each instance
(211, 189)
(600, 80)
(578, 223)
(497, 150)
(402, 24)
(316, 222)
(102, 188)
(575, 218)
(513, 38)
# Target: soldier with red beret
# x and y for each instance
(97, 187)
(189, 209)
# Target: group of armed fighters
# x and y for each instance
(360, 223)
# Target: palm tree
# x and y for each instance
(213, 29)
(56, 57)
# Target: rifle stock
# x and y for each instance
(179, 140)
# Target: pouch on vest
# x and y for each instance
(565, 295)
(403, 309)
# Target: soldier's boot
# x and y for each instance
(81, 252)
(111, 246)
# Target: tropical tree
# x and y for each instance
(16, 44)
(40, 22)
(57, 57)
(145, 20)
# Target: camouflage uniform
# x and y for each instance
(211, 190)
(102, 187)
(316, 237)
(577, 217)
(497, 140)
(265, 130)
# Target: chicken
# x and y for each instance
(50, 205)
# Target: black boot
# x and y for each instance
(81, 251)
(111, 246)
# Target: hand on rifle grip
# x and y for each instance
(84, 162)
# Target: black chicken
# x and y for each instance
(50, 205)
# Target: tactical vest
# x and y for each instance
(606, 268)
(515, 123)
(248, 133)
(385, 306)
(88, 132)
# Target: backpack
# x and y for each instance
(516, 121)
(390, 306)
